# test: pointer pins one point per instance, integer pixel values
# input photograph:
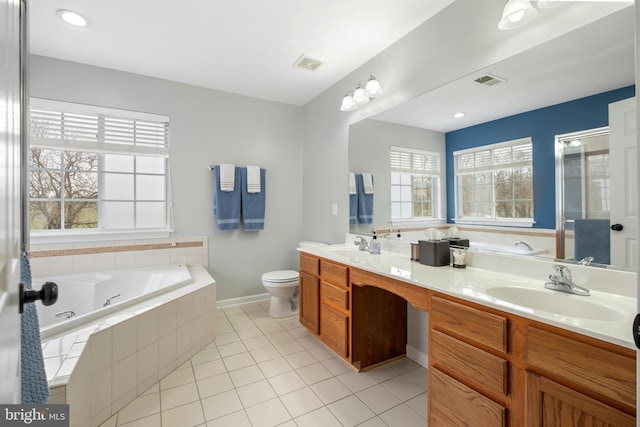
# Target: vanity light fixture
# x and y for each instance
(459, 115)
(516, 13)
(361, 95)
(72, 18)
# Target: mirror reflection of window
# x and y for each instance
(415, 183)
(495, 182)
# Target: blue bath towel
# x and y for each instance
(35, 389)
(253, 204)
(591, 238)
(365, 202)
(353, 209)
(226, 204)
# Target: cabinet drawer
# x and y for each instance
(336, 296)
(334, 273)
(479, 368)
(452, 403)
(309, 264)
(604, 372)
(484, 328)
(334, 330)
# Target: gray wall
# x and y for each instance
(207, 127)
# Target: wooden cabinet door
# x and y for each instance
(550, 404)
(334, 330)
(310, 302)
(452, 403)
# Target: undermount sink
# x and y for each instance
(560, 303)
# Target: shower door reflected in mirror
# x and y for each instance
(583, 196)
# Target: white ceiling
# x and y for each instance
(245, 47)
(594, 58)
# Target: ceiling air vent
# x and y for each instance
(489, 80)
(307, 63)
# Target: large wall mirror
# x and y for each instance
(570, 80)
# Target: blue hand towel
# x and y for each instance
(253, 204)
(591, 238)
(353, 209)
(35, 389)
(365, 202)
(226, 204)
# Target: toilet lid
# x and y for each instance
(280, 276)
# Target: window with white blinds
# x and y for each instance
(495, 183)
(415, 184)
(97, 169)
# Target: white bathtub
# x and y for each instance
(504, 249)
(85, 294)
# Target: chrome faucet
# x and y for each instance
(561, 281)
(108, 300)
(525, 244)
(67, 314)
(585, 261)
(361, 243)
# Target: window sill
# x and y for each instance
(502, 222)
(53, 237)
(413, 222)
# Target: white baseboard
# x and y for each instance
(418, 356)
(243, 300)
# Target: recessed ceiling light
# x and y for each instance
(458, 115)
(73, 18)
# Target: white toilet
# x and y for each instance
(283, 287)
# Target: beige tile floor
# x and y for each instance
(263, 372)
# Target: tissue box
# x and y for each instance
(434, 253)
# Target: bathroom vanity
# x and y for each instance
(489, 365)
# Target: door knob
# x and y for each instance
(48, 294)
(617, 227)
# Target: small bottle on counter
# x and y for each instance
(374, 245)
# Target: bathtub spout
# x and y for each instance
(67, 314)
(108, 300)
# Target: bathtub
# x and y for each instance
(85, 297)
(504, 249)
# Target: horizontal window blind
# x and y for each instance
(418, 162)
(504, 155)
(55, 124)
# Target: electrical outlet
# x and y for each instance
(334, 209)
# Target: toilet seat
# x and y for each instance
(280, 277)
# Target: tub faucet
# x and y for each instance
(561, 281)
(525, 244)
(108, 300)
(361, 243)
(67, 314)
(586, 261)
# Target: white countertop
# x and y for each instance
(476, 285)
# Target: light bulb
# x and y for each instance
(359, 95)
(516, 16)
(373, 88)
(347, 102)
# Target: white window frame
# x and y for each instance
(399, 167)
(94, 142)
(493, 167)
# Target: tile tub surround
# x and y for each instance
(100, 367)
(67, 258)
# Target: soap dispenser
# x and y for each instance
(374, 245)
